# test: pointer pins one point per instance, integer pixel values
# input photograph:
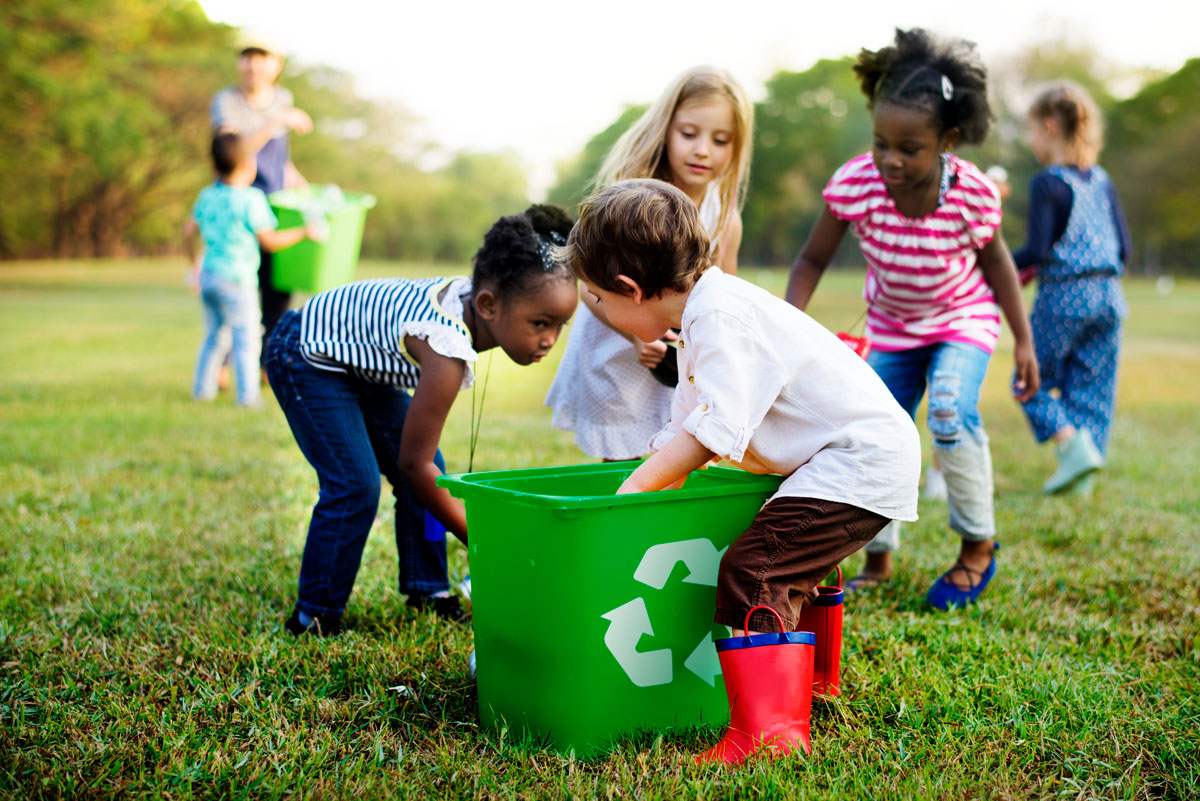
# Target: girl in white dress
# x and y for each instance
(697, 136)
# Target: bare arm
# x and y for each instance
(823, 241)
(292, 179)
(1001, 275)
(441, 378)
(668, 468)
(272, 240)
(727, 253)
(292, 118)
(191, 242)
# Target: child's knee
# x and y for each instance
(362, 493)
(951, 414)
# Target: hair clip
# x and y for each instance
(947, 88)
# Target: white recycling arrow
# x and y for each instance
(629, 622)
(704, 662)
(700, 555)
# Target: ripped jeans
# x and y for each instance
(953, 373)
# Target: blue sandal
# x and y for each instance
(944, 594)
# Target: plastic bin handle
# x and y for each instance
(753, 609)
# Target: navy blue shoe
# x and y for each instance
(944, 594)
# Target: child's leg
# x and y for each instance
(422, 560)
(1089, 386)
(275, 302)
(956, 374)
(204, 384)
(244, 317)
(322, 409)
(792, 544)
(904, 374)
(1054, 338)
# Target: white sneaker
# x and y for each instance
(464, 587)
(935, 485)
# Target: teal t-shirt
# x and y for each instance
(229, 219)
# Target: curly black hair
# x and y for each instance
(517, 253)
(919, 70)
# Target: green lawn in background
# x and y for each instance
(149, 547)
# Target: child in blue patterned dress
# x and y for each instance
(1077, 245)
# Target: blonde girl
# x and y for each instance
(1077, 245)
(696, 136)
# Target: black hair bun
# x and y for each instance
(548, 218)
(512, 260)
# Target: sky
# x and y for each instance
(540, 78)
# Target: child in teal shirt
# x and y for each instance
(234, 220)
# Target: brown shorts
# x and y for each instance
(792, 544)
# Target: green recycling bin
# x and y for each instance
(316, 266)
(593, 612)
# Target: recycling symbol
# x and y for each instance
(629, 621)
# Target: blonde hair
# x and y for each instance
(641, 152)
(1079, 121)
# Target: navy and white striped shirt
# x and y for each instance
(360, 328)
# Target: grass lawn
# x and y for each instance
(149, 548)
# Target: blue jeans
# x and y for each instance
(234, 306)
(349, 430)
(953, 372)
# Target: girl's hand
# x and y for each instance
(1026, 379)
(650, 354)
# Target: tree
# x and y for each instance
(1151, 156)
(575, 177)
(810, 123)
(103, 120)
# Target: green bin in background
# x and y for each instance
(593, 613)
(316, 266)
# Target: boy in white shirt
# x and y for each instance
(763, 386)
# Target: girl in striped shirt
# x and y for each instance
(938, 275)
(343, 368)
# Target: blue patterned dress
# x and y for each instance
(1077, 316)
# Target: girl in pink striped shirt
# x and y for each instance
(938, 275)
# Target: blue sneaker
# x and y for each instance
(1078, 458)
(945, 594)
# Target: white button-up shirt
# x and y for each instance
(765, 386)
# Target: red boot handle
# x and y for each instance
(753, 609)
(839, 572)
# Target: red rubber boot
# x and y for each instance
(824, 619)
(768, 678)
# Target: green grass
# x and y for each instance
(149, 549)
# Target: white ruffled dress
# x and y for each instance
(601, 392)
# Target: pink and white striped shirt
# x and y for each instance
(924, 284)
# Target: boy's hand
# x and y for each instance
(193, 277)
(1026, 379)
(317, 231)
